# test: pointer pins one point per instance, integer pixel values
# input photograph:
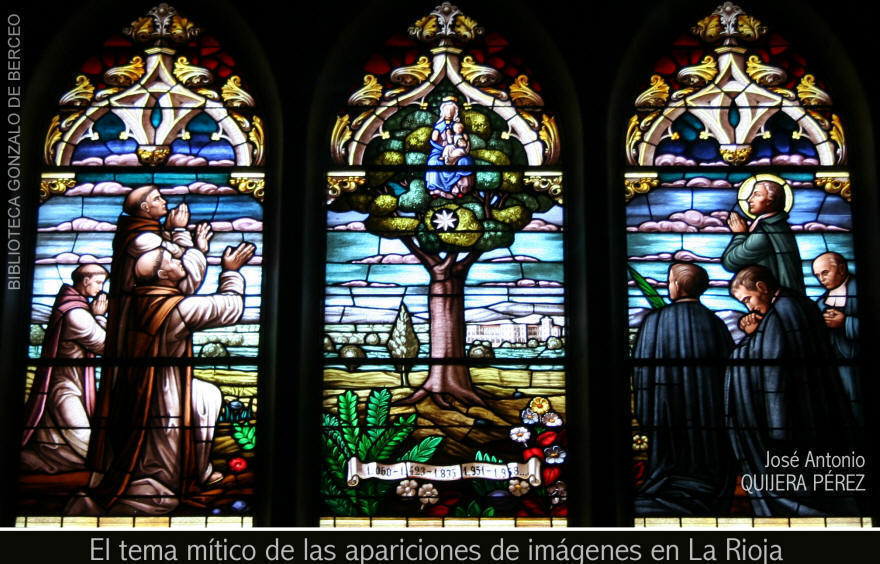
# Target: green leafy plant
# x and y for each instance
(245, 435)
(376, 438)
(474, 510)
(484, 487)
(654, 298)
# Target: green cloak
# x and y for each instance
(771, 244)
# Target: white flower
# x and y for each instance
(554, 455)
(529, 417)
(518, 487)
(520, 434)
(407, 488)
(428, 494)
(551, 419)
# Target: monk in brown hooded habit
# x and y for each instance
(139, 230)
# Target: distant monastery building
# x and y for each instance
(499, 333)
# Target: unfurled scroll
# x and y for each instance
(530, 471)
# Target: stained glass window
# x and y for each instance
(444, 309)
(145, 322)
(743, 316)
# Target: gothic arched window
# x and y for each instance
(444, 314)
(743, 315)
(146, 312)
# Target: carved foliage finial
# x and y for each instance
(445, 23)
(162, 24)
(730, 22)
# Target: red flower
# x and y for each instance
(534, 506)
(639, 470)
(549, 474)
(547, 438)
(237, 464)
(450, 498)
(437, 511)
(533, 452)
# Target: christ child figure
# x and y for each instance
(457, 145)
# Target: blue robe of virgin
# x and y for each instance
(680, 408)
(790, 400)
(440, 179)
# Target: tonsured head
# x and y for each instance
(158, 267)
(88, 279)
(145, 201)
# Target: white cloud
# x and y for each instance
(353, 226)
(390, 258)
(81, 224)
(672, 160)
(127, 159)
(515, 258)
(524, 283)
(91, 161)
(73, 258)
(540, 225)
(186, 160)
(365, 284)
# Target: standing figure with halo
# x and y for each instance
(768, 240)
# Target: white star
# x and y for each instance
(444, 220)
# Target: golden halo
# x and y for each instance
(745, 190)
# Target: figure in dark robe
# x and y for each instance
(783, 395)
(839, 305)
(680, 406)
(768, 241)
(62, 397)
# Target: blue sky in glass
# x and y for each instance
(491, 294)
(95, 238)
(554, 215)
(200, 144)
(710, 246)
(810, 204)
(59, 209)
(821, 221)
(827, 217)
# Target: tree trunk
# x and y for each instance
(446, 307)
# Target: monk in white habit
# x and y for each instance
(161, 420)
(62, 398)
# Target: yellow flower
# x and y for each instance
(539, 405)
(640, 442)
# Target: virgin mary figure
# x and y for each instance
(448, 131)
